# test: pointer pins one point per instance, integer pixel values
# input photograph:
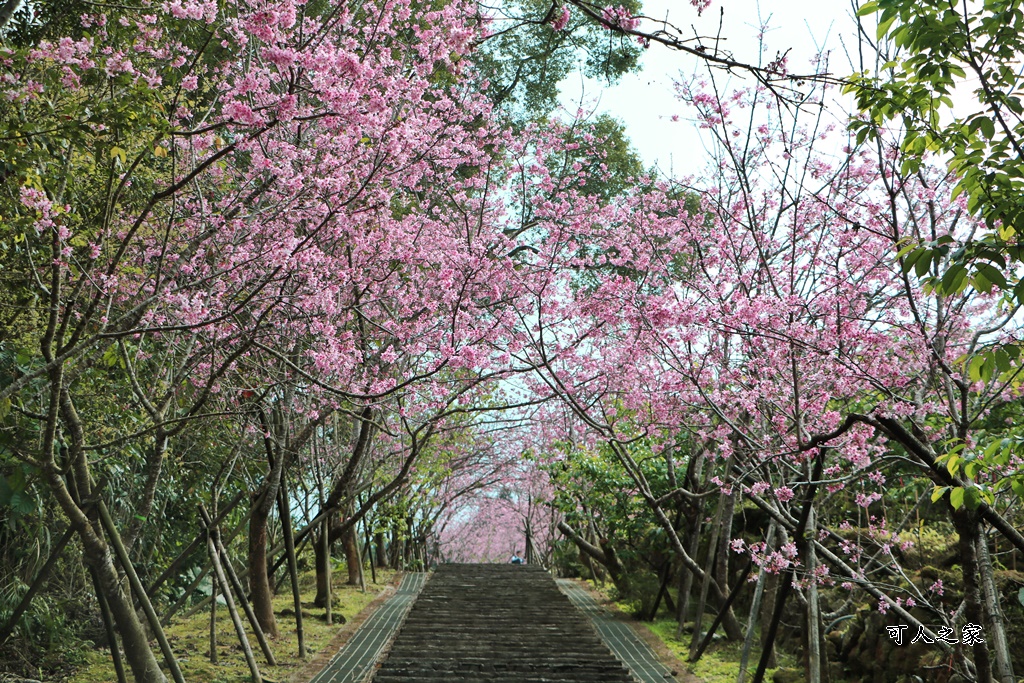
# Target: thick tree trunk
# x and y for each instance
(320, 557)
(604, 555)
(380, 550)
(137, 651)
(259, 580)
(108, 628)
(966, 523)
(353, 560)
(995, 629)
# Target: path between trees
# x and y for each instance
(492, 624)
(360, 652)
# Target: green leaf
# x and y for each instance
(939, 492)
(921, 267)
(971, 469)
(992, 274)
(971, 498)
(956, 497)
(867, 8)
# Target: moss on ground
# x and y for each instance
(720, 663)
(190, 638)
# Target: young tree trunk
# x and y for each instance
(325, 541)
(237, 586)
(666, 578)
(285, 513)
(709, 563)
(813, 614)
(685, 575)
(724, 538)
(370, 550)
(213, 622)
(222, 581)
(694, 471)
(121, 553)
(755, 609)
(787, 584)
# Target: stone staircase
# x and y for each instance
(479, 623)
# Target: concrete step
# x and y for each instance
(497, 624)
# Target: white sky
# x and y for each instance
(645, 101)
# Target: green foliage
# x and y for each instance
(525, 58)
(935, 49)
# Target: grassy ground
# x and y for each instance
(720, 662)
(190, 638)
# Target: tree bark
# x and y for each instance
(285, 513)
(321, 556)
(605, 555)
(353, 561)
(994, 614)
(714, 549)
(966, 523)
(213, 622)
(108, 627)
(243, 640)
(380, 550)
(140, 592)
(137, 651)
(325, 541)
(813, 614)
(259, 580)
(755, 608)
(237, 586)
(801, 545)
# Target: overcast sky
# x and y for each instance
(645, 101)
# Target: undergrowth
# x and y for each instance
(190, 637)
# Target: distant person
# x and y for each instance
(516, 559)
